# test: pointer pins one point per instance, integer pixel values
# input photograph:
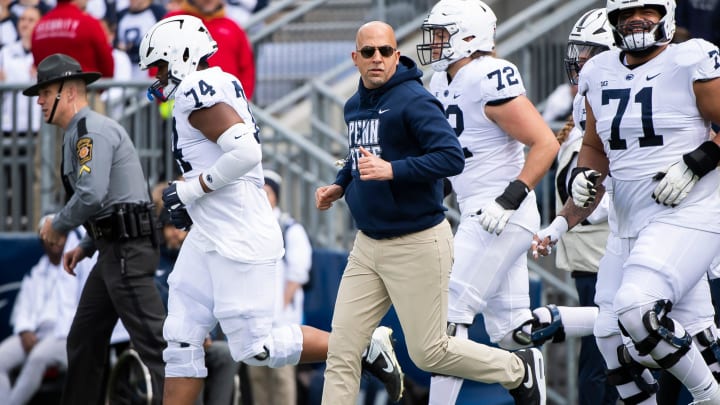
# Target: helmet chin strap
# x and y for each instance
(641, 53)
(155, 91)
(55, 104)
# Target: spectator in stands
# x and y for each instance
(132, 23)
(234, 54)
(8, 24)
(20, 119)
(20, 114)
(105, 10)
(697, 19)
(69, 30)
(116, 96)
(18, 6)
(42, 315)
(276, 386)
(241, 10)
(173, 5)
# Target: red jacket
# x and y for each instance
(67, 29)
(234, 54)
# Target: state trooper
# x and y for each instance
(107, 193)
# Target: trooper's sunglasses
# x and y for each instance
(368, 52)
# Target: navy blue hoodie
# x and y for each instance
(402, 123)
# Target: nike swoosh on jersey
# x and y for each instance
(648, 77)
(383, 111)
(457, 95)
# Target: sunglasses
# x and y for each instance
(368, 52)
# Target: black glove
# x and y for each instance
(170, 198)
(180, 219)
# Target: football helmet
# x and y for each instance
(455, 29)
(629, 37)
(182, 41)
(590, 35)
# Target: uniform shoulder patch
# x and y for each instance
(84, 150)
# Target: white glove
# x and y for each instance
(182, 193)
(547, 237)
(493, 217)
(583, 187)
(675, 184)
(557, 228)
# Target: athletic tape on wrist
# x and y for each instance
(513, 196)
(704, 159)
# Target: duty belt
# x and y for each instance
(126, 221)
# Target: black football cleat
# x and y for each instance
(380, 361)
(532, 390)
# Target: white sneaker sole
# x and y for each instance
(540, 374)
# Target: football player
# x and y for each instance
(649, 106)
(226, 269)
(583, 247)
(485, 102)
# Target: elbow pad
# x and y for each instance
(242, 153)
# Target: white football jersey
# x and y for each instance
(236, 220)
(647, 118)
(492, 157)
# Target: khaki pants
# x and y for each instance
(273, 386)
(410, 272)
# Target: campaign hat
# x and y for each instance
(59, 67)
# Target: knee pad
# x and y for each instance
(281, 348)
(184, 360)
(535, 333)
(631, 352)
(658, 328)
(709, 348)
(631, 371)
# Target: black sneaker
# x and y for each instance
(380, 361)
(532, 390)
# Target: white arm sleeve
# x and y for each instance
(242, 153)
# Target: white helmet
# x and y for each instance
(591, 35)
(652, 34)
(182, 41)
(462, 19)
